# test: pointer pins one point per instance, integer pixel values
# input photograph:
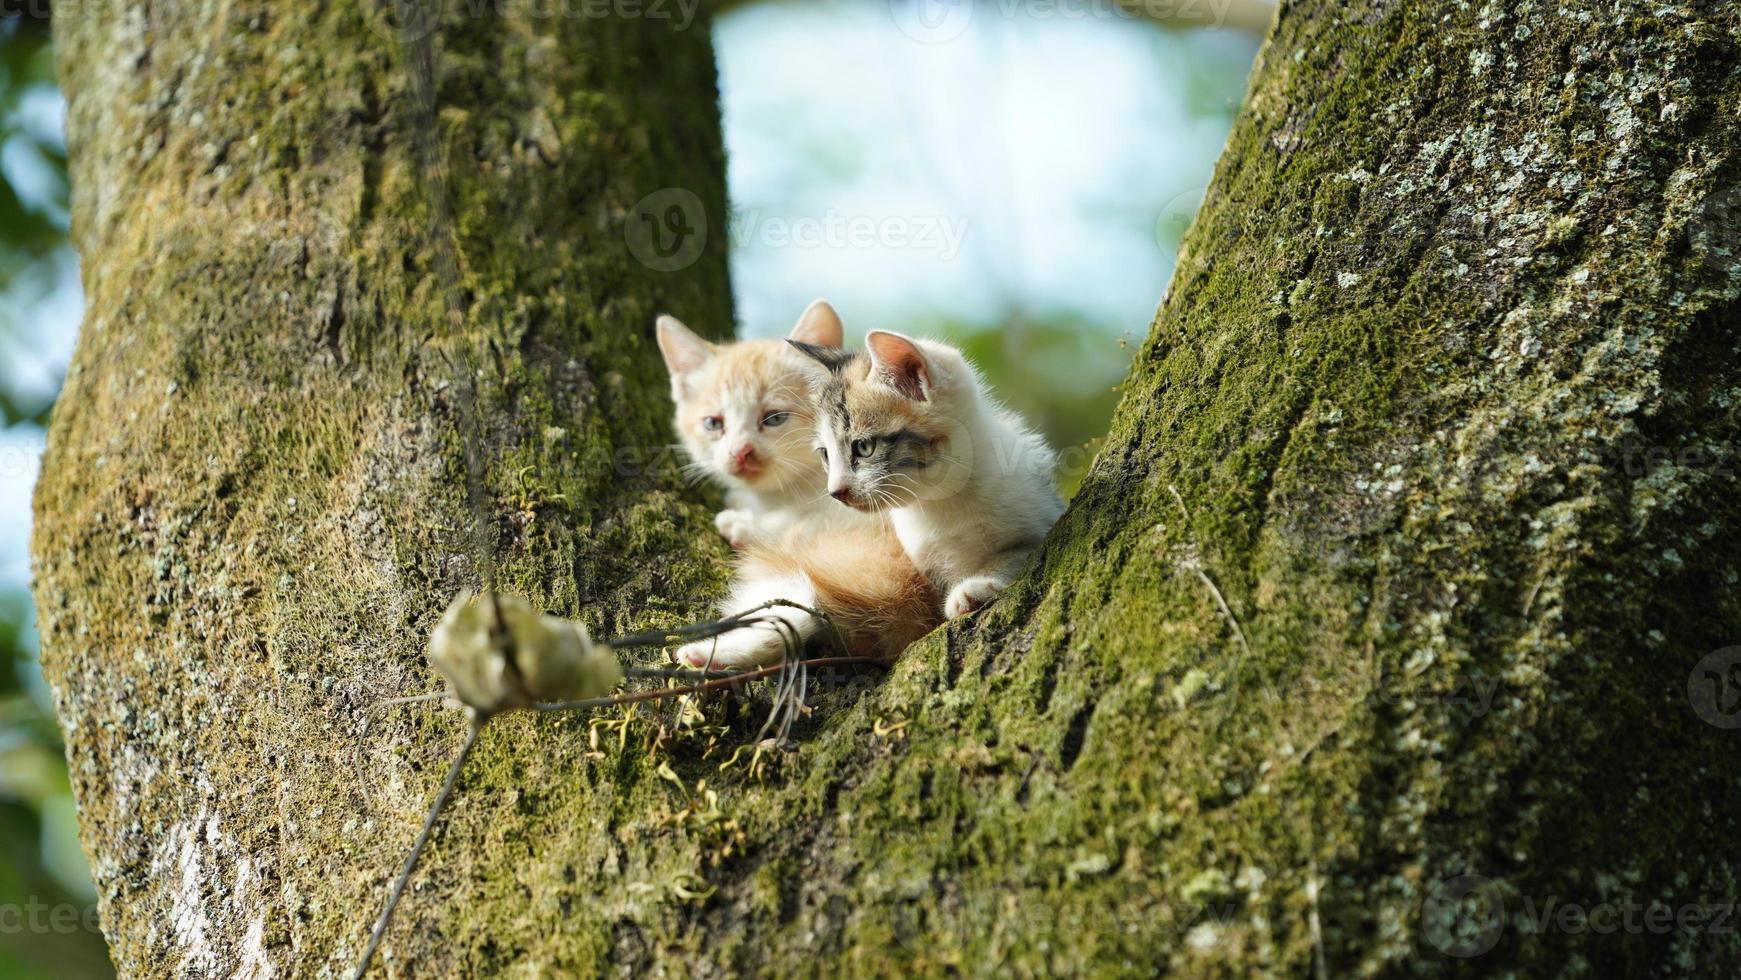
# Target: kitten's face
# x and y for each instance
(887, 423)
(743, 409)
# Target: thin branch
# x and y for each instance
(1220, 600)
(714, 685)
(1196, 565)
(475, 726)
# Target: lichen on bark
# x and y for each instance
(255, 498)
(1442, 403)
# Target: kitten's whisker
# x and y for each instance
(884, 497)
(912, 490)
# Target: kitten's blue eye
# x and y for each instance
(863, 447)
(713, 423)
(777, 418)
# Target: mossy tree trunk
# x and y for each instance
(256, 498)
(1405, 575)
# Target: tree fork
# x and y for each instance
(1445, 381)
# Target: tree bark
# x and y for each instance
(256, 498)
(1405, 575)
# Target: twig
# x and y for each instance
(1238, 634)
(794, 671)
(716, 627)
(1181, 502)
(676, 673)
(475, 725)
(713, 685)
(1209, 583)
(1194, 561)
(1535, 590)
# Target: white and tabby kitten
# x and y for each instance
(908, 428)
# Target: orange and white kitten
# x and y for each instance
(744, 418)
(909, 429)
(857, 574)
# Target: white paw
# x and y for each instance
(755, 646)
(970, 594)
(736, 525)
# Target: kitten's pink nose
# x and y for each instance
(743, 456)
(844, 495)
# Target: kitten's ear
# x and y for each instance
(835, 359)
(819, 326)
(683, 350)
(899, 363)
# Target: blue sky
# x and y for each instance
(1052, 155)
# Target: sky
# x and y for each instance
(1002, 164)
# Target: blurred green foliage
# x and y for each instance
(46, 918)
(33, 220)
(1060, 374)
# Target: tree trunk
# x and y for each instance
(1389, 625)
(256, 500)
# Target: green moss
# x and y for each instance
(1451, 268)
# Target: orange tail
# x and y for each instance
(864, 582)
